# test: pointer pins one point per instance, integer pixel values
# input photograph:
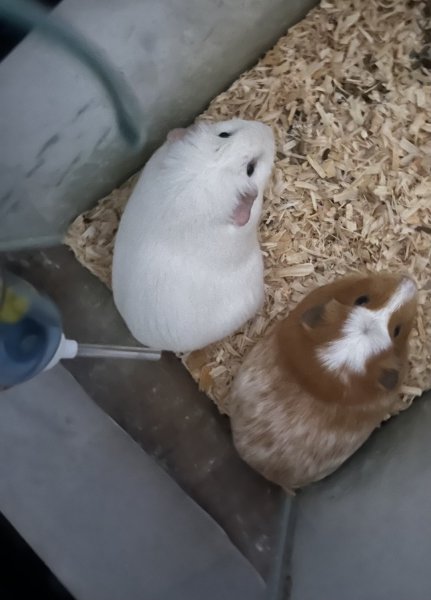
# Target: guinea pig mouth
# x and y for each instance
(241, 213)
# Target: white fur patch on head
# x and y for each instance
(365, 333)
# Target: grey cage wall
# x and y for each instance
(61, 149)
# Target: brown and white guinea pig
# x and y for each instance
(187, 267)
(310, 393)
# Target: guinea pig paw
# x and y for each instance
(399, 405)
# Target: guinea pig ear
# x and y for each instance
(388, 379)
(317, 315)
(242, 210)
(313, 317)
(176, 134)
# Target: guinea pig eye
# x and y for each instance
(397, 331)
(250, 168)
(362, 300)
(224, 134)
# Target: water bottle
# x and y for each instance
(32, 338)
(30, 330)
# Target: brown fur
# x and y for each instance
(294, 421)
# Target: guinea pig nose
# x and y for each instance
(409, 284)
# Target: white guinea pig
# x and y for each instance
(187, 267)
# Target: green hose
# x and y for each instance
(28, 15)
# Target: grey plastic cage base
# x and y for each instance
(365, 532)
(105, 519)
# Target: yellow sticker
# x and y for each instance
(13, 308)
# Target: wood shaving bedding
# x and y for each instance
(347, 93)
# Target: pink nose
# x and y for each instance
(409, 284)
(408, 279)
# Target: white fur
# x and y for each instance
(365, 333)
(184, 275)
